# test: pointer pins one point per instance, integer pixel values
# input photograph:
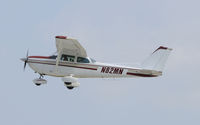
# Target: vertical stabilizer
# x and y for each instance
(157, 60)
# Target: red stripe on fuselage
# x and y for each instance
(63, 65)
(128, 73)
(141, 75)
(85, 64)
(79, 67)
(40, 57)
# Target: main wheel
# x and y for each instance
(37, 84)
(69, 87)
(68, 83)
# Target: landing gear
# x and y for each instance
(40, 80)
(37, 84)
(70, 82)
(69, 87)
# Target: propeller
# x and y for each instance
(26, 60)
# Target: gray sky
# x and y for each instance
(121, 31)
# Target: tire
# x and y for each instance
(37, 84)
(68, 83)
(70, 87)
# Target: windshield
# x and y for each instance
(82, 60)
(93, 61)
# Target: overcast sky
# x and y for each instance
(116, 31)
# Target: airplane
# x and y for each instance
(71, 62)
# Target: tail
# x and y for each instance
(157, 60)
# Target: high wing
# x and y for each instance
(69, 46)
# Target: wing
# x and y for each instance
(69, 46)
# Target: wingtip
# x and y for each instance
(61, 37)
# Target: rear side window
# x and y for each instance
(82, 60)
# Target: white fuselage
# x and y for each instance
(47, 66)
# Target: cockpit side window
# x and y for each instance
(82, 60)
(67, 58)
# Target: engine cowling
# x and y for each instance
(70, 82)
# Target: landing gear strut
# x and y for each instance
(40, 80)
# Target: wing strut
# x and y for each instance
(58, 58)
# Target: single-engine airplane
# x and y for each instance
(71, 62)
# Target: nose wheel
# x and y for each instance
(39, 81)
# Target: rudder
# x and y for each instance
(157, 60)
